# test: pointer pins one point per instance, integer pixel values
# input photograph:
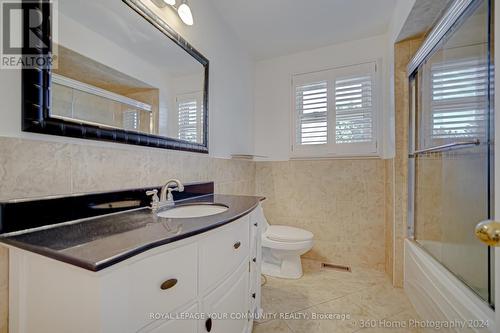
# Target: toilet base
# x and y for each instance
(287, 267)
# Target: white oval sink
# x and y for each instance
(190, 211)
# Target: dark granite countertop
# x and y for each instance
(100, 242)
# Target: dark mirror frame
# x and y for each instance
(36, 90)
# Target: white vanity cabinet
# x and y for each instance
(205, 283)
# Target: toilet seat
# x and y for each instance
(286, 234)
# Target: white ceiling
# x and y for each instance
(271, 28)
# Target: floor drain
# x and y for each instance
(335, 267)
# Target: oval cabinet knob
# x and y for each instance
(237, 245)
(488, 232)
(170, 283)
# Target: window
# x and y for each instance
(131, 120)
(188, 120)
(458, 103)
(335, 112)
(190, 117)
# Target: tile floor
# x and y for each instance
(349, 298)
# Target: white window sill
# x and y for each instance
(334, 156)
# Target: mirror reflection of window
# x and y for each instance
(190, 117)
(131, 120)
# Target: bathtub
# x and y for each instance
(438, 295)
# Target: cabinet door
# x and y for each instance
(222, 253)
(180, 325)
(228, 304)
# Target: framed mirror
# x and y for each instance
(118, 73)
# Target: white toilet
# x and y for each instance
(282, 247)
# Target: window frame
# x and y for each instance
(332, 149)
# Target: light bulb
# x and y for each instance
(185, 13)
(163, 3)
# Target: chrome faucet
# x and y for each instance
(166, 198)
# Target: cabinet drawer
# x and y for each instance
(180, 325)
(162, 283)
(222, 252)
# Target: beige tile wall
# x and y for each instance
(389, 217)
(36, 168)
(403, 52)
(341, 201)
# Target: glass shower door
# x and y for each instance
(451, 163)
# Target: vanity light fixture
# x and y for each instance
(185, 14)
(183, 9)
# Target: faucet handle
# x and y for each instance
(170, 196)
(152, 192)
(155, 202)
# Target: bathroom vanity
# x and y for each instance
(133, 271)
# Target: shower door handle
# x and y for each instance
(488, 232)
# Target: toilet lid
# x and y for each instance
(282, 233)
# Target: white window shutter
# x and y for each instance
(131, 120)
(190, 118)
(312, 113)
(335, 112)
(458, 101)
(354, 110)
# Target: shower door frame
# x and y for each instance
(496, 122)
